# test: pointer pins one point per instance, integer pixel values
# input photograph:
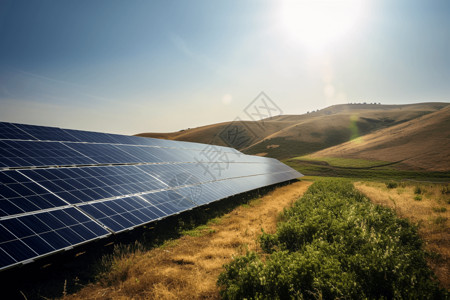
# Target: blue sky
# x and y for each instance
(140, 66)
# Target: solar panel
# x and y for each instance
(60, 188)
(19, 194)
(26, 237)
(10, 131)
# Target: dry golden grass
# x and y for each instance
(261, 154)
(431, 213)
(189, 267)
(422, 143)
(310, 128)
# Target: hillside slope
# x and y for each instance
(288, 136)
(422, 143)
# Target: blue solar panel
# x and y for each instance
(125, 213)
(43, 133)
(60, 188)
(15, 154)
(26, 237)
(76, 185)
(10, 131)
(15, 131)
(19, 195)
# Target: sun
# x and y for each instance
(318, 23)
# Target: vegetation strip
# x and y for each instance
(334, 243)
(425, 204)
(361, 169)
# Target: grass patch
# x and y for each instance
(287, 148)
(439, 209)
(391, 185)
(334, 243)
(440, 220)
(344, 162)
(424, 213)
(114, 267)
(321, 168)
(418, 197)
(169, 243)
(214, 221)
(198, 231)
(419, 190)
(445, 190)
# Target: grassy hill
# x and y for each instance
(289, 136)
(420, 144)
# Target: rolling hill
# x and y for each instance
(422, 143)
(288, 136)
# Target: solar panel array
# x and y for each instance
(60, 188)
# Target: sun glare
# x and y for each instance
(319, 23)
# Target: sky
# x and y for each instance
(158, 66)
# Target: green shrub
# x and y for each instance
(418, 190)
(439, 209)
(391, 185)
(418, 197)
(445, 190)
(334, 243)
(440, 220)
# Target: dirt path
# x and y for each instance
(189, 267)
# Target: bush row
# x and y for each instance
(334, 243)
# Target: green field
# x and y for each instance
(360, 169)
(345, 162)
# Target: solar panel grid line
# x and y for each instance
(79, 177)
(20, 195)
(34, 258)
(74, 150)
(39, 154)
(36, 211)
(67, 144)
(151, 174)
(44, 133)
(29, 134)
(45, 233)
